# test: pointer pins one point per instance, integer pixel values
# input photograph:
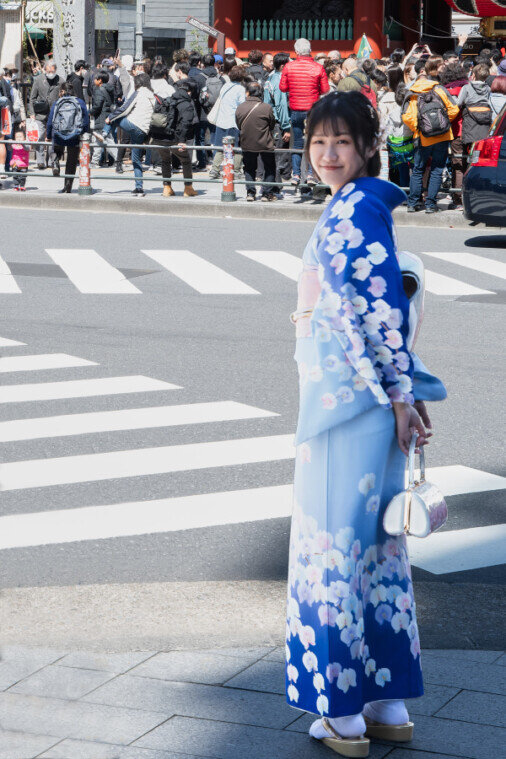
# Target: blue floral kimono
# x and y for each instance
(351, 634)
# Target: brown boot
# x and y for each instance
(168, 192)
(189, 191)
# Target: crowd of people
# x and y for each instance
(432, 109)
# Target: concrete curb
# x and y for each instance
(304, 211)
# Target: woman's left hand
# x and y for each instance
(407, 421)
(422, 410)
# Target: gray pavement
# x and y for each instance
(222, 703)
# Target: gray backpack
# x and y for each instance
(68, 119)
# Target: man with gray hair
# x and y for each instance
(45, 91)
(305, 81)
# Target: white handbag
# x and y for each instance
(420, 509)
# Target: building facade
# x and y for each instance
(274, 25)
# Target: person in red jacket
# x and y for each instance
(305, 81)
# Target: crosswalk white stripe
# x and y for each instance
(471, 261)
(90, 273)
(7, 282)
(144, 517)
(283, 263)
(41, 361)
(144, 461)
(440, 284)
(456, 479)
(200, 274)
(460, 550)
(211, 509)
(50, 391)
(6, 343)
(127, 419)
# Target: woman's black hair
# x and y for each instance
(353, 112)
(400, 93)
(142, 80)
(452, 72)
(395, 76)
(159, 71)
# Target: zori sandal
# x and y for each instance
(350, 747)
(396, 733)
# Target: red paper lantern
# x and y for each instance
(479, 7)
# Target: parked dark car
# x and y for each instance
(484, 184)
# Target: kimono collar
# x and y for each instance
(389, 194)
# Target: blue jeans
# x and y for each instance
(137, 137)
(297, 118)
(439, 154)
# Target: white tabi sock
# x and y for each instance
(389, 712)
(351, 726)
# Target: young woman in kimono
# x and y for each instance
(352, 649)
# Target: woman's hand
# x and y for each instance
(422, 410)
(407, 421)
(181, 146)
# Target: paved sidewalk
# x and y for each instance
(225, 703)
(112, 193)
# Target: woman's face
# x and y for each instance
(335, 157)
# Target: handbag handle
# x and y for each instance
(411, 462)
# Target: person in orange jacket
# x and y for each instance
(429, 113)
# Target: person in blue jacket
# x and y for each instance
(352, 643)
(67, 133)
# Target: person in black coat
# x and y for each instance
(181, 121)
(76, 78)
(102, 106)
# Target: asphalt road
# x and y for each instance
(218, 348)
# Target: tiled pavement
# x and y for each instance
(222, 703)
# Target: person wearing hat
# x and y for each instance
(218, 58)
(233, 51)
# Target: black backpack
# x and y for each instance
(162, 120)
(433, 119)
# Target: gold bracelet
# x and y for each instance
(296, 315)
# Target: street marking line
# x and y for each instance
(458, 480)
(455, 549)
(460, 550)
(41, 361)
(201, 275)
(284, 263)
(6, 343)
(7, 282)
(39, 473)
(50, 391)
(90, 273)
(145, 517)
(471, 261)
(440, 284)
(128, 419)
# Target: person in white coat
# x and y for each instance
(134, 117)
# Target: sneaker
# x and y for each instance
(41, 166)
(432, 209)
(412, 209)
(138, 193)
(119, 168)
(213, 175)
(265, 199)
(455, 206)
(250, 198)
(295, 180)
(22, 189)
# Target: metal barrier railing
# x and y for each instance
(228, 179)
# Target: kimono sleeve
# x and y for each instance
(362, 306)
(426, 386)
